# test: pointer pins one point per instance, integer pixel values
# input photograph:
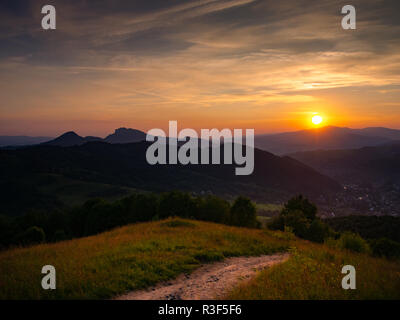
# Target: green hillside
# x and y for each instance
(139, 255)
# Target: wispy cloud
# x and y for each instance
(205, 61)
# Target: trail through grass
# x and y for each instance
(125, 259)
(314, 272)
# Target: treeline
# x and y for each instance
(98, 215)
(369, 227)
(299, 216)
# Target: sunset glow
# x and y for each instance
(222, 64)
(317, 120)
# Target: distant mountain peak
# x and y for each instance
(67, 139)
(70, 134)
(325, 138)
(125, 130)
(126, 135)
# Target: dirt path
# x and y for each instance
(210, 281)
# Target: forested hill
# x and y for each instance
(25, 171)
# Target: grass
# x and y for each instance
(263, 220)
(269, 207)
(126, 258)
(140, 255)
(314, 272)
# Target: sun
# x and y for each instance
(317, 120)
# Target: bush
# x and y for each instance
(32, 235)
(140, 207)
(103, 216)
(59, 235)
(214, 209)
(297, 222)
(318, 231)
(243, 213)
(299, 203)
(98, 215)
(386, 248)
(178, 223)
(5, 230)
(276, 223)
(177, 204)
(353, 242)
(300, 215)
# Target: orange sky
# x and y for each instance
(224, 64)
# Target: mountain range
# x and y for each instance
(29, 172)
(121, 135)
(326, 138)
(376, 166)
(21, 140)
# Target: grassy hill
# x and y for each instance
(314, 272)
(139, 255)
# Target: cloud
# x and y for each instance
(113, 59)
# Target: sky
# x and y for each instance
(259, 64)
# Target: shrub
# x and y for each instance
(301, 216)
(215, 209)
(353, 242)
(103, 216)
(5, 230)
(32, 235)
(59, 235)
(386, 248)
(140, 207)
(299, 203)
(177, 204)
(318, 231)
(243, 213)
(297, 222)
(277, 223)
(178, 223)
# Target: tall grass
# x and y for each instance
(127, 258)
(314, 272)
(140, 255)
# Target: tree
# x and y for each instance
(31, 236)
(243, 213)
(177, 204)
(384, 247)
(6, 230)
(301, 216)
(296, 220)
(317, 231)
(212, 208)
(140, 207)
(302, 204)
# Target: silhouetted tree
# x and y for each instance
(215, 209)
(178, 204)
(301, 216)
(32, 235)
(243, 213)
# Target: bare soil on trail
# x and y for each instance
(210, 281)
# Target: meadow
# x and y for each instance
(140, 255)
(314, 272)
(127, 258)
